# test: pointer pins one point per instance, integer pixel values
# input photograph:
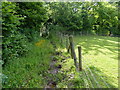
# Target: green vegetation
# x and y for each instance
(101, 54)
(29, 71)
(32, 69)
(34, 51)
(102, 62)
(99, 18)
(20, 26)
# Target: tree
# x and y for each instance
(89, 17)
(35, 15)
(13, 44)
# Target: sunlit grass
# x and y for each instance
(102, 53)
(99, 53)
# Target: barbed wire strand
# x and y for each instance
(91, 76)
(86, 83)
(88, 79)
(86, 74)
(101, 78)
(97, 83)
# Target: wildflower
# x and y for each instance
(39, 43)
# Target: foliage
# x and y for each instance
(108, 18)
(14, 43)
(64, 15)
(86, 17)
(35, 15)
(29, 71)
(20, 24)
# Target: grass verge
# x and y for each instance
(100, 64)
(29, 71)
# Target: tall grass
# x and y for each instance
(28, 71)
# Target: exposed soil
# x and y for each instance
(55, 69)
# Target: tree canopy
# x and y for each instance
(22, 21)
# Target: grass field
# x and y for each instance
(99, 60)
(100, 54)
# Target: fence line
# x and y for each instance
(100, 77)
(70, 46)
(88, 78)
(86, 81)
(93, 76)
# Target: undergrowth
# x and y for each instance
(29, 71)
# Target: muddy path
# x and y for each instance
(55, 69)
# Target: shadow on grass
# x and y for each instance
(98, 44)
(95, 80)
(98, 79)
(104, 81)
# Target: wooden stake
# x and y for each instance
(72, 50)
(68, 50)
(61, 36)
(67, 44)
(80, 58)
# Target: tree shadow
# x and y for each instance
(104, 81)
(97, 79)
(101, 44)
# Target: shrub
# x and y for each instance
(14, 43)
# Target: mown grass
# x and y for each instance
(100, 54)
(99, 61)
(29, 71)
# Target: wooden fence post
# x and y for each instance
(67, 43)
(61, 37)
(70, 46)
(80, 58)
(72, 50)
(68, 50)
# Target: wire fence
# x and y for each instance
(92, 74)
(89, 76)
